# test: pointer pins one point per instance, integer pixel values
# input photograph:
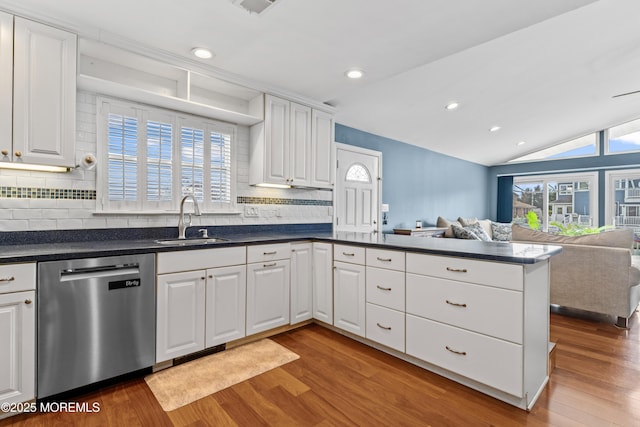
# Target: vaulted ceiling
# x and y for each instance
(544, 71)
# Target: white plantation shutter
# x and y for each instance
(159, 161)
(123, 155)
(220, 167)
(153, 157)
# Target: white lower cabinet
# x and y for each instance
(17, 333)
(323, 282)
(267, 295)
(385, 326)
(225, 305)
(180, 314)
(494, 362)
(301, 282)
(199, 291)
(349, 297)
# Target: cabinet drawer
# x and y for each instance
(487, 360)
(490, 311)
(502, 275)
(200, 259)
(393, 260)
(385, 326)
(385, 288)
(352, 254)
(17, 277)
(261, 253)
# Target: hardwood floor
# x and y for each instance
(338, 381)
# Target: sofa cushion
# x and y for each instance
(443, 222)
(467, 221)
(618, 238)
(501, 232)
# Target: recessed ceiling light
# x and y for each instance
(494, 128)
(354, 73)
(521, 143)
(452, 106)
(202, 53)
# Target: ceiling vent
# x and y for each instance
(254, 6)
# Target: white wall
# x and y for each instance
(33, 213)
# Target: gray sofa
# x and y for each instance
(595, 272)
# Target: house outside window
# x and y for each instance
(154, 157)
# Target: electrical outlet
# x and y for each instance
(251, 211)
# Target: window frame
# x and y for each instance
(143, 113)
(607, 140)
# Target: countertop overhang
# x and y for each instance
(519, 253)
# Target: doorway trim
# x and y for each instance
(359, 150)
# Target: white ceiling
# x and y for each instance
(545, 70)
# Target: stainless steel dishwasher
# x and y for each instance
(96, 320)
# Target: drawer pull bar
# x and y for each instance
(384, 259)
(386, 328)
(8, 279)
(383, 289)
(273, 264)
(457, 304)
(461, 353)
(457, 270)
(270, 253)
(348, 254)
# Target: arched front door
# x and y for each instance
(357, 198)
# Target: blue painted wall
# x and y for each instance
(420, 184)
(600, 163)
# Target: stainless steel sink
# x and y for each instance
(189, 242)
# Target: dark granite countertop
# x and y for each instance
(520, 253)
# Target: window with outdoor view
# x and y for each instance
(624, 138)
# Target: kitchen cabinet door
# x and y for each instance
(180, 314)
(277, 140)
(323, 150)
(323, 282)
(300, 145)
(267, 295)
(301, 282)
(44, 89)
(225, 312)
(349, 302)
(17, 346)
(6, 81)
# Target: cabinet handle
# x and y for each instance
(383, 289)
(461, 353)
(457, 270)
(270, 253)
(5, 152)
(27, 301)
(273, 264)
(386, 328)
(455, 303)
(384, 259)
(211, 276)
(348, 254)
(18, 153)
(8, 279)
(203, 278)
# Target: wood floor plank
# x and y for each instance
(340, 382)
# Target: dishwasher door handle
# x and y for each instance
(68, 276)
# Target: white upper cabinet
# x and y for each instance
(323, 154)
(6, 81)
(293, 146)
(44, 94)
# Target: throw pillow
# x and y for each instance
(463, 233)
(443, 222)
(501, 231)
(467, 221)
(479, 231)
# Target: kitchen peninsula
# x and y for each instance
(474, 312)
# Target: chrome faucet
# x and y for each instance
(182, 224)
